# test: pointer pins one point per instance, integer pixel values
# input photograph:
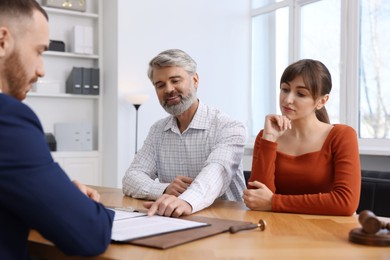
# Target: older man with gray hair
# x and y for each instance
(192, 157)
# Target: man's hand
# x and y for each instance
(89, 192)
(178, 185)
(168, 205)
(259, 198)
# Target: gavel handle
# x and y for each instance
(235, 229)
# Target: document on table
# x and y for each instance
(133, 225)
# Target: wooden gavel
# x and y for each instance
(370, 223)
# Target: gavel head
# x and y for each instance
(370, 223)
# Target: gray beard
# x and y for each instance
(185, 104)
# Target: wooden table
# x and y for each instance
(287, 236)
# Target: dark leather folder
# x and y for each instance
(167, 240)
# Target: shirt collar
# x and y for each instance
(198, 122)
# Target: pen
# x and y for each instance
(261, 225)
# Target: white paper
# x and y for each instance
(129, 228)
(122, 214)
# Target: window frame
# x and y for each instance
(349, 65)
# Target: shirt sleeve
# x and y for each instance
(39, 195)
(140, 178)
(222, 163)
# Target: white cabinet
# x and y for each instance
(55, 106)
(83, 167)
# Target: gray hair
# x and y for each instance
(172, 58)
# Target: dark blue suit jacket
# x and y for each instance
(36, 193)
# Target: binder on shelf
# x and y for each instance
(77, 36)
(95, 81)
(74, 81)
(82, 39)
(86, 83)
(88, 40)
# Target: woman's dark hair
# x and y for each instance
(316, 77)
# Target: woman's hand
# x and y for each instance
(275, 126)
(259, 198)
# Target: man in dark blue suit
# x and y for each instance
(34, 191)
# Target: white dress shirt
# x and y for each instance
(210, 151)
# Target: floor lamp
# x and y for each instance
(137, 100)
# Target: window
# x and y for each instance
(349, 37)
(269, 58)
(320, 40)
(374, 69)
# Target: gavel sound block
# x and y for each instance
(373, 232)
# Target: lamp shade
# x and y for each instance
(137, 99)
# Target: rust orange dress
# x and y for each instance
(325, 182)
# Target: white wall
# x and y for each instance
(215, 33)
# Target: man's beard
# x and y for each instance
(15, 76)
(184, 104)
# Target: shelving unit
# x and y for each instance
(88, 13)
(70, 55)
(61, 107)
(62, 95)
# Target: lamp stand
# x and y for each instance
(136, 125)
(137, 101)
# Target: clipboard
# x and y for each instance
(168, 240)
(130, 225)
